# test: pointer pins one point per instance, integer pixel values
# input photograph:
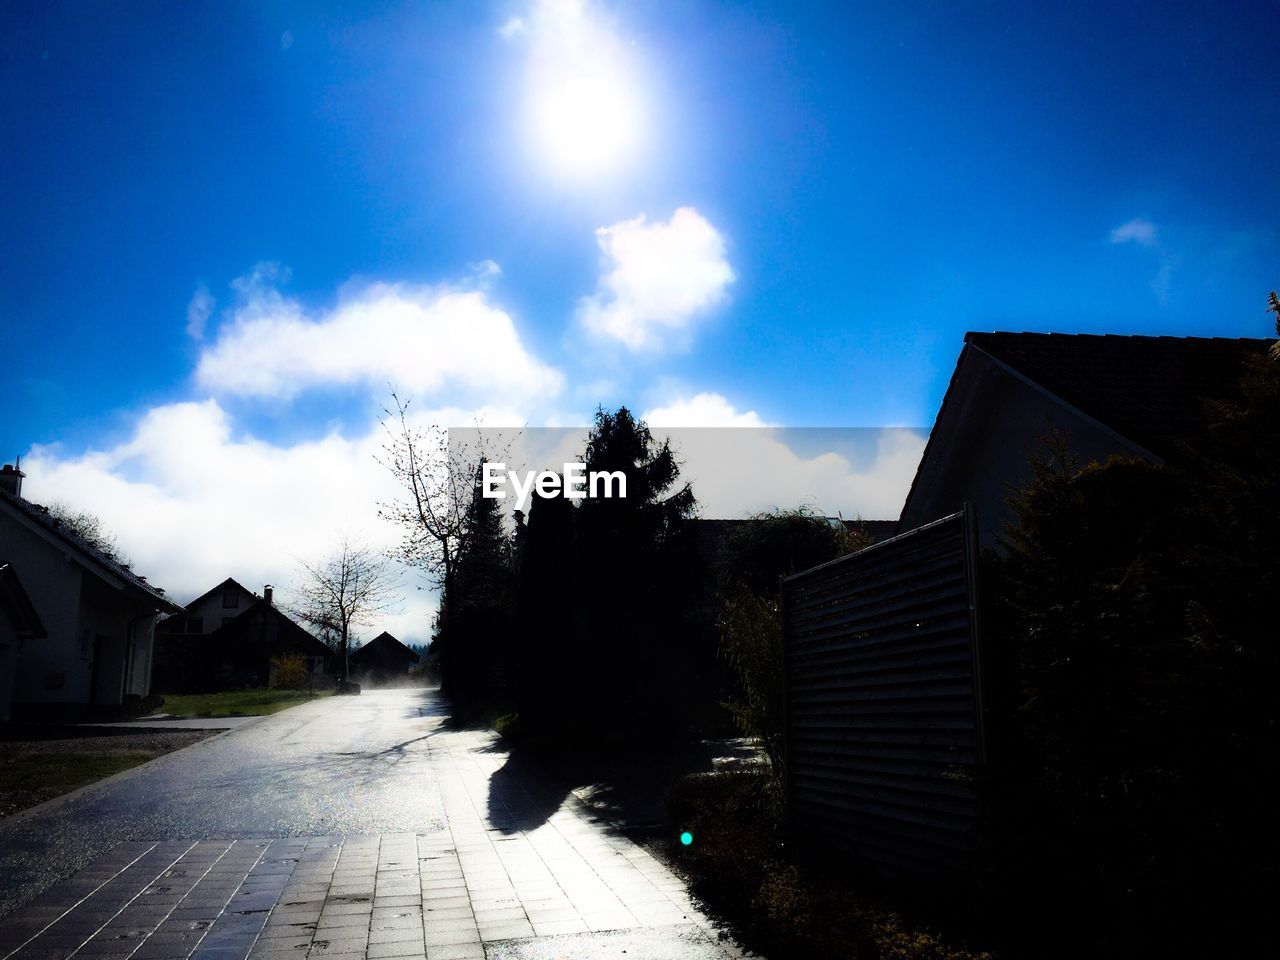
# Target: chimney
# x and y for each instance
(11, 480)
(266, 595)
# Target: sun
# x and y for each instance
(583, 91)
(586, 120)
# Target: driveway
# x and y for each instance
(352, 826)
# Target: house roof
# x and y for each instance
(229, 582)
(1150, 390)
(383, 645)
(289, 635)
(103, 565)
(16, 605)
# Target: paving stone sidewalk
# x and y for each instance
(518, 869)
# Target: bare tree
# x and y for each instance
(345, 590)
(437, 481)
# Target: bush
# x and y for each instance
(1133, 614)
(741, 866)
(771, 546)
(507, 726)
(289, 672)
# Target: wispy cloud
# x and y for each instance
(1138, 230)
(199, 309)
(657, 279)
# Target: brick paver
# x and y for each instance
(517, 860)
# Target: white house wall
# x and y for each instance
(211, 610)
(51, 670)
(10, 647)
(56, 675)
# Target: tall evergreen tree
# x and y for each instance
(473, 629)
(639, 572)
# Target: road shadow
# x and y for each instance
(621, 787)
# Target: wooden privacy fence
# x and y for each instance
(884, 703)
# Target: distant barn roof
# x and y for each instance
(1150, 390)
(382, 647)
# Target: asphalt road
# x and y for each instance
(347, 766)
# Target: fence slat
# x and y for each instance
(883, 712)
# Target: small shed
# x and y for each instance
(383, 658)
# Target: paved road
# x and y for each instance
(375, 792)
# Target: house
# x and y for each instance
(382, 658)
(890, 677)
(227, 637)
(1110, 395)
(19, 623)
(96, 615)
(212, 609)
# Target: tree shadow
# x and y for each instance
(522, 797)
(619, 786)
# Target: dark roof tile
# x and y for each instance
(1150, 390)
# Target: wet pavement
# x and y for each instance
(352, 827)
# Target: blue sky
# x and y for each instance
(196, 194)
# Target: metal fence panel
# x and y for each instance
(884, 731)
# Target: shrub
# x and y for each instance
(771, 546)
(1134, 616)
(741, 866)
(507, 726)
(289, 672)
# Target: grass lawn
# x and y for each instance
(32, 771)
(236, 703)
(64, 772)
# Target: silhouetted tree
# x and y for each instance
(345, 590)
(436, 477)
(473, 630)
(1134, 616)
(638, 567)
(772, 545)
(555, 664)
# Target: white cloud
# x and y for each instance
(658, 279)
(421, 339)
(1138, 230)
(199, 310)
(701, 410)
(849, 472)
(512, 27)
(856, 472)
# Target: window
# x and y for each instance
(195, 625)
(226, 620)
(230, 599)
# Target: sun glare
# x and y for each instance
(586, 123)
(584, 105)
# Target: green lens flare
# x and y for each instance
(686, 838)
